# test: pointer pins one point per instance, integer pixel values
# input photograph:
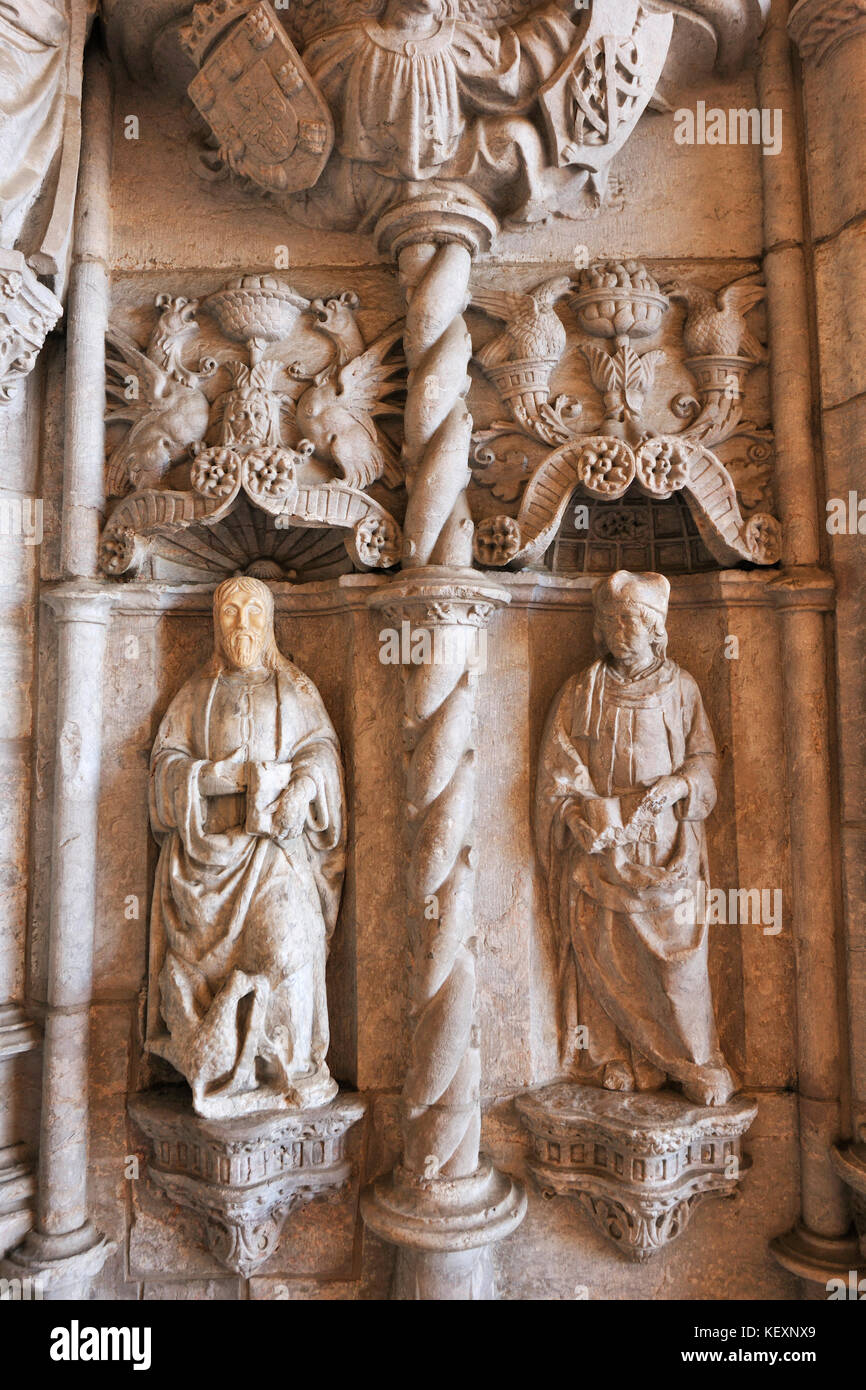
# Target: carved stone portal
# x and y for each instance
(639, 1165)
(242, 1178)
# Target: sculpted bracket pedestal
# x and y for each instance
(243, 1177)
(638, 1163)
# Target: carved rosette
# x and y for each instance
(28, 312)
(242, 1178)
(639, 1164)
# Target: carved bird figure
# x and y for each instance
(176, 323)
(533, 330)
(337, 411)
(715, 324)
(166, 416)
(335, 318)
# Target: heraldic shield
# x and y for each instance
(271, 121)
(593, 102)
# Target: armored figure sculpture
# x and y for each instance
(247, 803)
(626, 779)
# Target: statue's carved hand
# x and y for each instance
(665, 792)
(223, 777)
(290, 816)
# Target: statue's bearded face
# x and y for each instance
(247, 419)
(244, 626)
(627, 634)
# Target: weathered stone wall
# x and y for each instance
(689, 212)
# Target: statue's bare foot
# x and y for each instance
(716, 1088)
(618, 1076)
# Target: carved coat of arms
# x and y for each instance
(272, 123)
(595, 99)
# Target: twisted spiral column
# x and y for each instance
(441, 1093)
(437, 423)
(444, 1204)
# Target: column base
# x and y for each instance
(850, 1164)
(58, 1268)
(443, 1229)
(17, 1195)
(817, 1259)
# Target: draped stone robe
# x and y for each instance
(241, 921)
(629, 970)
(448, 106)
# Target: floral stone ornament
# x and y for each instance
(622, 304)
(201, 432)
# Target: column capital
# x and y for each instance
(80, 602)
(440, 597)
(819, 26)
(804, 586)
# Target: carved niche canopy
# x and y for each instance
(277, 418)
(257, 416)
(545, 455)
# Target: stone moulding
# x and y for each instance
(818, 26)
(639, 1164)
(242, 1178)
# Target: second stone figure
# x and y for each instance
(627, 777)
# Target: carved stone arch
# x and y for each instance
(372, 535)
(605, 467)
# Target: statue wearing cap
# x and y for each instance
(627, 777)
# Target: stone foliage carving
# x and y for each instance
(247, 802)
(289, 425)
(627, 777)
(622, 305)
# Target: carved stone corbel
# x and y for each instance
(243, 1177)
(638, 1164)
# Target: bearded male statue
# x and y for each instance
(626, 779)
(247, 803)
